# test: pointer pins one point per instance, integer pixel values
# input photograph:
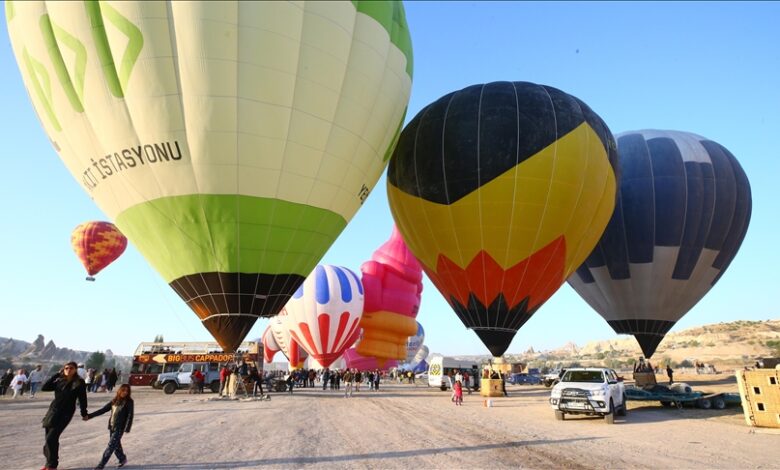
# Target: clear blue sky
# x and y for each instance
(708, 68)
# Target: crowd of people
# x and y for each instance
(23, 382)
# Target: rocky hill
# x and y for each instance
(721, 344)
(18, 353)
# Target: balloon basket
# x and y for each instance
(90, 278)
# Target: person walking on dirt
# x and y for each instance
(67, 387)
(457, 392)
(120, 422)
(669, 372)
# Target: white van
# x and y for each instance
(441, 366)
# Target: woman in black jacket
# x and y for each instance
(120, 422)
(67, 387)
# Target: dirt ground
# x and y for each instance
(401, 426)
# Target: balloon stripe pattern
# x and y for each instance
(501, 190)
(280, 329)
(683, 210)
(230, 141)
(97, 244)
(324, 313)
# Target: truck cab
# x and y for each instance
(172, 381)
(592, 391)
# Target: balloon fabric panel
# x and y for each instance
(232, 142)
(501, 190)
(683, 210)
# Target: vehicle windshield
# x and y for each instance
(592, 376)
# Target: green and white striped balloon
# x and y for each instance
(231, 142)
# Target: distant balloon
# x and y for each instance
(501, 190)
(280, 329)
(421, 356)
(97, 244)
(414, 343)
(683, 210)
(392, 279)
(231, 141)
(324, 313)
(270, 347)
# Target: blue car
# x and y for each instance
(524, 379)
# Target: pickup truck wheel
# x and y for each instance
(169, 388)
(559, 415)
(623, 410)
(609, 418)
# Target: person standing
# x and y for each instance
(112, 379)
(36, 379)
(457, 392)
(67, 387)
(348, 377)
(290, 380)
(5, 381)
(17, 383)
(669, 372)
(120, 422)
(377, 378)
(223, 378)
(257, 380)
(82, 371)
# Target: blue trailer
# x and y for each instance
(671, 398)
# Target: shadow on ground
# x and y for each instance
(335, 459)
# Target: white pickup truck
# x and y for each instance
(589, 391)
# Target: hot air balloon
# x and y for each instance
(421, 356)
(280, 329)
(324, 313)
(230, 141)
(414, 343)
(392, 279)
(270, 346)
(355, 361)
(683, 210)
(97, 244)
(501, 190)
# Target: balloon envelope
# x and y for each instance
(501, 191)
(422, 355)
(392, 279)
(230, 141)
(97, 244)
(414, 343)
(270, 347)
(683, 210)
(324, 313)
(280, 330)
(355, 361)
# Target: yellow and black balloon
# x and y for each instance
(501, 191)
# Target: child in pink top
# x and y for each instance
(457, 390)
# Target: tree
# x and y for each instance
(159, 339)
(96, 360)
